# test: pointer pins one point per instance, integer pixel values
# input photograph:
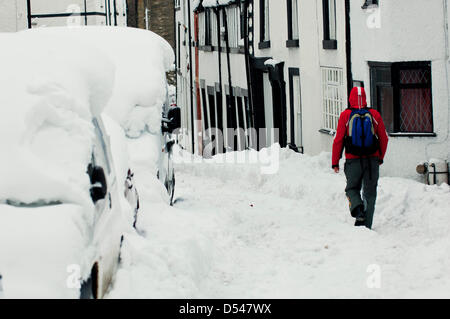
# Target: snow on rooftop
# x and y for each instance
(272, 62)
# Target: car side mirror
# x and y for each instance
(173, 120)
(99, 188)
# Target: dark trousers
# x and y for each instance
(362, 174)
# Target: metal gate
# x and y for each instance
(78, 12)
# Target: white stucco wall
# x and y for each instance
(183, 76)
(309, 58)
(407, 30)
(13, 15)
(209, 71)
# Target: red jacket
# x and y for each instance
(358, 100)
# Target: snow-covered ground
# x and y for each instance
(235, 233)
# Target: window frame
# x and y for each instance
(292, 42)
(328, 43)
(234, 27)
(396, 86)
(208, 38)
(264, 33)
(179, 46)
(298, 145)
(206, 30)
(331, 113)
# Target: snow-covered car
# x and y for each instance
(74, 103)
(139, 100)
(63, 210)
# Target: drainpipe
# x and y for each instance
(219, 55)
(85, 13)
(348, 46)
(109, 11)
(230, 84)
(146, 17)
(197, 84)
(447, 56)
(115, 13)
(191, 84)
(248, 70)
(29, 14)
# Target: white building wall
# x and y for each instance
(406, 30)
(13, 15)
(183, 73)
(309, 58)
(209, 71)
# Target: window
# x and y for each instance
(207, 27)
(177, 4)
(179, 46)
(205, 114)
(402, 93)
(329, 24)
(204, 22)
(264, 25)
(234, 27)
(212, 107)
(333, 96)
(185, 17)
(293, 24)
(296, 123)
(213, 27)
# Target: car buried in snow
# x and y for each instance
(67, 194)
(60, 245)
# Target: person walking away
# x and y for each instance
(362, 133)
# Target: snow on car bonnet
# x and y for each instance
(50, 89)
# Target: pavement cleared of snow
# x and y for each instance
(235, 233)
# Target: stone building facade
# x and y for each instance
(156, 15)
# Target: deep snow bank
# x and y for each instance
(401, 202)
(237, 233)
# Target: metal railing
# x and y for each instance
(107, 14)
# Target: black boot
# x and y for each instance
(360, 223)
(359, 213)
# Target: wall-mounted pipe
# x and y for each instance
(447, 72)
